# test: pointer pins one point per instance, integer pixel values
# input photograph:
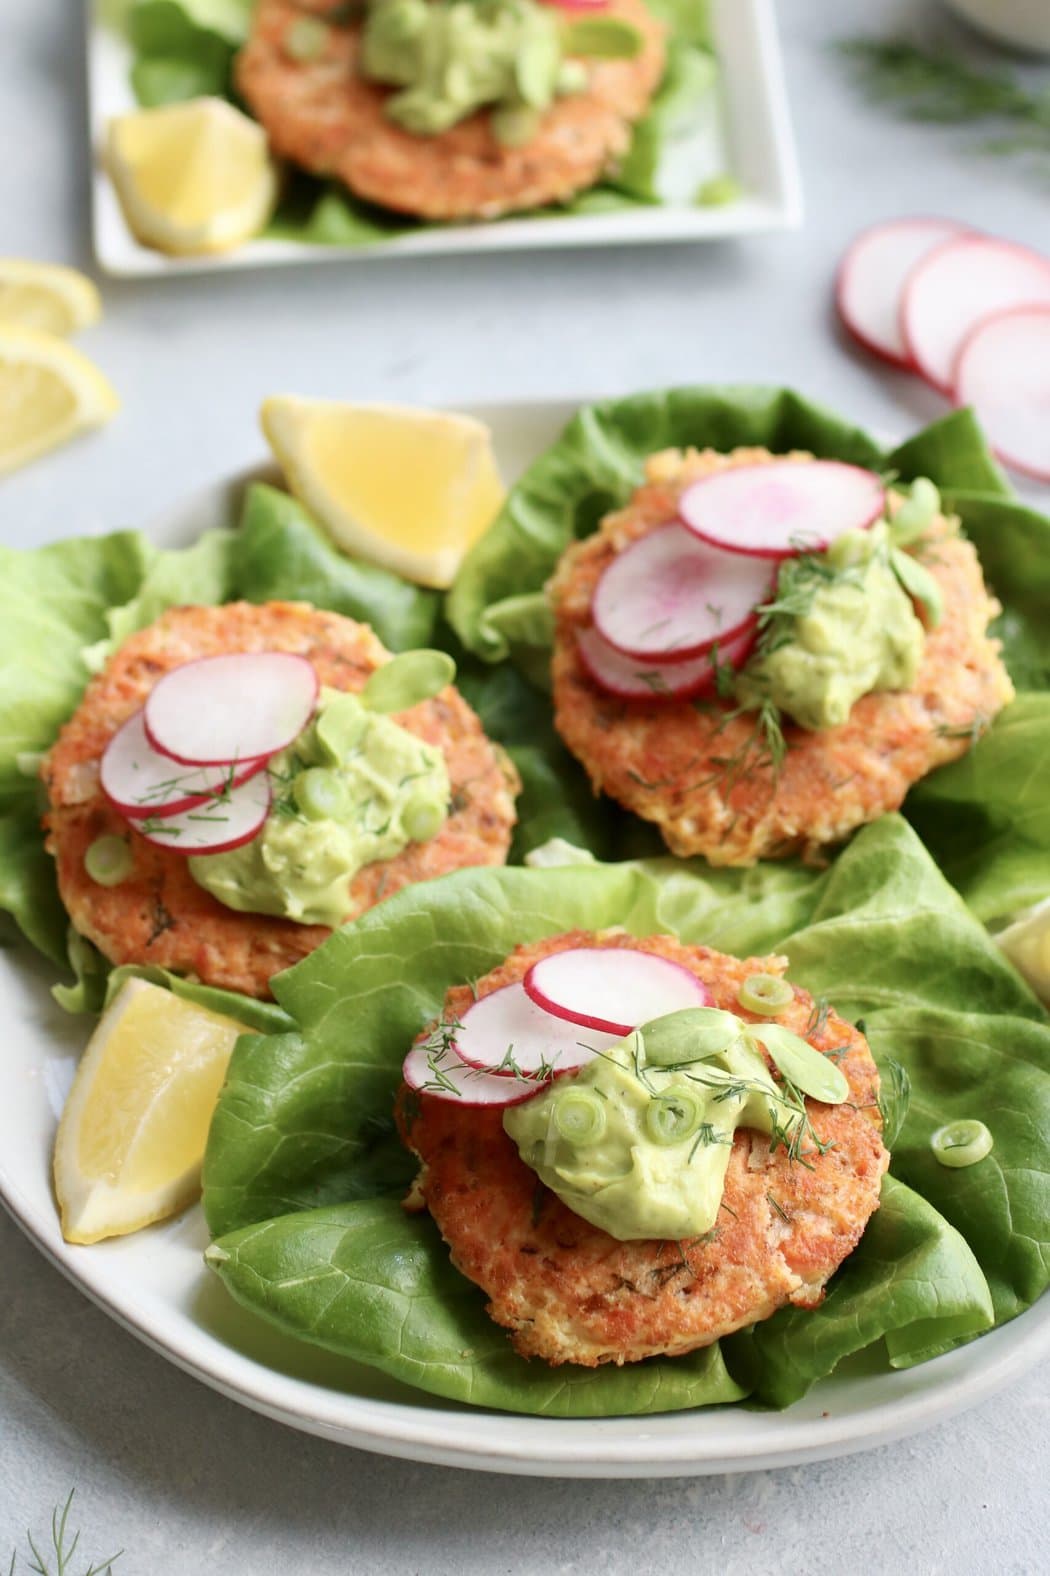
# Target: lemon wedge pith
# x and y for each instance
(49, 392)
(47, 297)
(191, 177)
(405, 488)
(131, 1139)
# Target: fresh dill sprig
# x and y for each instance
(61, 1550)
(938, 87)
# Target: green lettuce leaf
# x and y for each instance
(377, 1285)
(280, 553)
(185, 48)
(304, 1121)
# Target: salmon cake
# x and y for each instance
(700, 768)
(326, 116)
(570, 1292)
(159, 914)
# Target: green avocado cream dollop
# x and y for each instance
(452, 59)
(354, 787)
(641, 1149)
(858, 633)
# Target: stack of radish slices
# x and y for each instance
(187, 769)
(969, 313)
(682, 601)
(569, 1008)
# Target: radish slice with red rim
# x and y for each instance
(140, 782)
(613, 989)
(669, 596)
(873, 275)
(506, 1031)
(216, 827)
(217, 710)
(956, 286)
(435, 1069)
(1004, 373)
(783, 508)
(632, 679)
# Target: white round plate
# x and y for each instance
(155, 1283)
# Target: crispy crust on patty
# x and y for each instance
(159, 914)
(323, 115)
(664, 759)
(568, 1291)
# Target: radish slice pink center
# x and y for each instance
(784, 508)
(215, 827)
(957, 285)
(231, 708)
(432, 1067)
(1004, 373)
(633, 679)
(670, 596)
(612, 989)
(873, 275)
(140, 782)
(506, 1031)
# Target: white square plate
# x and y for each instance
(749, 134)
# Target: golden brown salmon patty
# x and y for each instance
(159, 914)
(325, 116)
(702, 775)
(572, 1293)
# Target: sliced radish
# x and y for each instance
(1004, 373)
(612, 989)
(215, 827)
(231, 708)
(506, 1030)
(633, 679)
(430, 1070)
(957, 285)
(873, 274)
(783, 508)
(140, 782)
(670, 596)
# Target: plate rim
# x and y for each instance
(687, 1443)
(751, 24)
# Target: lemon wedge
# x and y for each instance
(46, 297)
(409, 489)
(191, 177)
(49, 392)
(1027, 944)
(131, 1140)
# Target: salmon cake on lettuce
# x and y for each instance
(698, 1145)
(761, 653)
(452, 109)
(240, 779)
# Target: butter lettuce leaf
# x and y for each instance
(303, 1124)
(374, 1284)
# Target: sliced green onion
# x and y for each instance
(579, 1116)
(691, 1035)
(719, 191)
(917, 513)
(811, 1072)
(406, 680)
(306, 39)
(673, 1116)
(341, 725)
(919, 584)
(423, 817)
(963, 1143)
(766, 994)
(109, 860)
(321, 794)
(602, 38)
